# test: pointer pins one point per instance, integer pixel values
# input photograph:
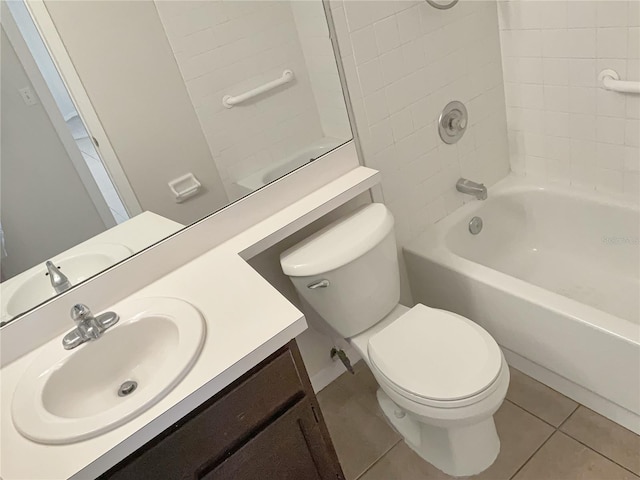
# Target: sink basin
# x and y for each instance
(36, 287)
(66, 396)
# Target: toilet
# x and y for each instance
(441, 376)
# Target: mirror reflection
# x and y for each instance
(123, 122)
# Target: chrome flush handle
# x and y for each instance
(324, 283)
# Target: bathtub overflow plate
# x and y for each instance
(453, 122)
(475, 225)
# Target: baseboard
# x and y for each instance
(328, 374)
(589, 399)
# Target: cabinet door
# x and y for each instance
(291, 448)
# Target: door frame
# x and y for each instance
(55, 116)
(59, 55)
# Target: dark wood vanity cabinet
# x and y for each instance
(266, 425)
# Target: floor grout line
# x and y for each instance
(532, 455)
(597, 452)
(536, 416)
(569, 416)
(378, 459)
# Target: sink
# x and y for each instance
(36, 287)
(66, 396)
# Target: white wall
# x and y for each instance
(126, 65)
(404, 61)
(229, 47)
(313, 32)
(45, 208)
(562, 126)
(315, 345)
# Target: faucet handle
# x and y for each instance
(80, 312)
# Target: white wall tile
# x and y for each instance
(409, 27)
(611, 130)
(581, 14)
(387, 35)
(581, 42)
(582, 72)
(612, 42)
(612, 13)
(370, 76)
(593, 128)
(363, 43)
(555, 71)
(424, 59)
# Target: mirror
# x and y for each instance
(122, 122)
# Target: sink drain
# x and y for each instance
(127, 388)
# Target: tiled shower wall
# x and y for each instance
(404, 61)
(228, 47)
(562, 125)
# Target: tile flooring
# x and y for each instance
(544, 436)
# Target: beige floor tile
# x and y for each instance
(360, 436)
(563, 458)
(606, 437)
(402, 463)
(521, 434)
(538, 399)
(363, 387)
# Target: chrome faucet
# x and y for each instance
(59, 281)
(88, 327)
(478, 190)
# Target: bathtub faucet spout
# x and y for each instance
(478, 190)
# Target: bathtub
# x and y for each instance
(553, 276)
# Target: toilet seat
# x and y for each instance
(436, 358)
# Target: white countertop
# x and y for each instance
(247, 320)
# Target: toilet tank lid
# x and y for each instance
(338, 243)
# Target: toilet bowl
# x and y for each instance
(441, 376)
(455, 432)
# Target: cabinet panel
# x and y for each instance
(217, 427)
(291, 448)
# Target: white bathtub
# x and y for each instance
(554, 277)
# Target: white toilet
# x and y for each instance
(441, 376)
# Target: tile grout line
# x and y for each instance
(532, 455)
(587, 446)
(378, 459)
(536, 416)
(569, 416)
(599, 453)
(555, 430)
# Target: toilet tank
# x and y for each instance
(348, 271)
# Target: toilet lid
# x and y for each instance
(436, 355)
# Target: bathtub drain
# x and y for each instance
(475, 225)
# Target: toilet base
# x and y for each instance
(457, 451)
